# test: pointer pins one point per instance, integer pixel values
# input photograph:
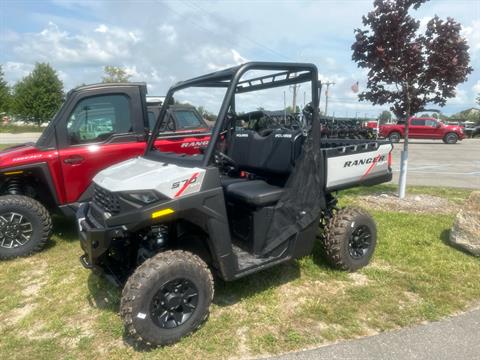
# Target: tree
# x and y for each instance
(5, 97)
(38, 96)
(115, 74)
(478, 99)
(385, 117)
(408, 69)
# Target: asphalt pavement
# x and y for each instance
(6, 138)
(453, 338)
(434, 163)
(431, 162)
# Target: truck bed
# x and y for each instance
(350, 163)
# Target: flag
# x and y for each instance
(355, 87)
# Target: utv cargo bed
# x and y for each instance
(350, 163)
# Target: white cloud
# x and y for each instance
(476, 87)
(177, 40)
(15, 71)
(472, 33)
(102, 28)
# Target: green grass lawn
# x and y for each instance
(15, 129)
(3, 146)
(50, 307)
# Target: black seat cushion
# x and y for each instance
(226, 181)
(255, 193)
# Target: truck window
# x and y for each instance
(187, 119)
(96, 118)
(418, 122)
(432, 123)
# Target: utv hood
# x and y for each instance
(140, 174)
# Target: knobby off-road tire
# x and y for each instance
(450, 138)
(25, 226)
(350, 239)
(172, 282)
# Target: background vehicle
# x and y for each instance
(253, 199)
(423, 128)
(472, 131)
(97, 126)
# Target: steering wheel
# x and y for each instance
(226, 159)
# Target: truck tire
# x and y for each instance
(350, 239)
(394, 137)
(166, 298)
(25, 226)
(450, 138)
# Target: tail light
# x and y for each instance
(390, 159)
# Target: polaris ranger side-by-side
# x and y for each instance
(161, 224)
(97, 126)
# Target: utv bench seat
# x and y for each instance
(226, 181)
(256, 193)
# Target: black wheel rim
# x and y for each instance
(15, 230)
(360, 241)
(174, 303)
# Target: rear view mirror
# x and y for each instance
(439, 125)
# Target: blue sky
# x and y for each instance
(163, 42)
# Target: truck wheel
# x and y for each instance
(167, 298)
(350, 239)
(25, 226)
(394, 137)
(450, 138)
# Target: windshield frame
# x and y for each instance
(285, 74)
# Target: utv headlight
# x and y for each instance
(145, 197)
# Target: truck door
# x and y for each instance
(417, 128)
(432, 129)
(100, 130)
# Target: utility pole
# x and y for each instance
(326, 96)
(294, 99)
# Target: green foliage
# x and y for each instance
(385, 117)
(289, 109)
(468, 115)
(5, 96)
(38, 96)
(115, 74)
(206, 114)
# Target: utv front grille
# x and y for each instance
(106, 200)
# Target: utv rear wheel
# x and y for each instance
(394, 137)
(350, 239)
(450, 138)
(167, 298)
(25, 226)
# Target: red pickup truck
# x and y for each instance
(423, 128)
(97, 126)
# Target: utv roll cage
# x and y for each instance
(231, 79)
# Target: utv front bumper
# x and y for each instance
(95, 238)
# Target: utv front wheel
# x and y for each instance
(350, 239)
(25, 226)
(167, 298)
